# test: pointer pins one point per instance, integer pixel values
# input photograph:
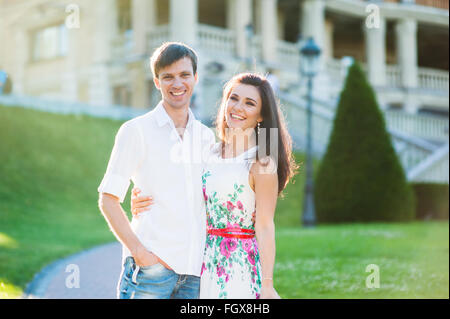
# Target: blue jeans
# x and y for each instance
(155, 282)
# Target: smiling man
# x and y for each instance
(162, 250)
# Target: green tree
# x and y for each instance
(360, 178)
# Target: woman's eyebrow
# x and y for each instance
(248, 98)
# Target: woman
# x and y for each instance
(245, 173)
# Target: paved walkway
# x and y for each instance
(97, 270)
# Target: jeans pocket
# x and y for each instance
(151, 266)
(124, 288)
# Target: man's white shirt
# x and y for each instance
(149, 151)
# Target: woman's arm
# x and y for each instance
(266, 192)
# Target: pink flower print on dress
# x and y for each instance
(224, 249)
(230, 206)
(220, 271)
(251, 257)
(203, 268)
(231, 244)
(247, 244)
(233, 226)
(204, 193)
(239, 205)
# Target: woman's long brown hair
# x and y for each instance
(272, 119)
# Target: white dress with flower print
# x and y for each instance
(231, 266)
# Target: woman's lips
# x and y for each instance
(236, 117)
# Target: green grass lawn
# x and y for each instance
(50, 169)
(330, 261)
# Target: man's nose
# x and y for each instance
(177, 82)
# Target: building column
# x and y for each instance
(22, 57)
(140, 97)
(328, 41)
(406, 30)
(375, 39)
(240, 17)
(281, 20)
(183, 20)
(231, 9)
(144, 18)
(313, 21)
(313, 25)
(69, 83)
(407, 51)
(269, 29)
(100, 92)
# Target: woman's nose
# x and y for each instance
(238, 106)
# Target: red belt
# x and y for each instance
(232, 232)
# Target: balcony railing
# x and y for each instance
(433, 79)
(428, 127)
(287, 52)
(440, 4)
(429, 79)
(156, 36)
(216, 39)
(220, 41)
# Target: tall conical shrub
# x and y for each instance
(360, 178)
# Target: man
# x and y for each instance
(161, 153)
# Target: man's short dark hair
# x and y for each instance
(169, 53)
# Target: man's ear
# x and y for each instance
(196, 77)
(156, 81)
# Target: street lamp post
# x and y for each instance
(309, 65)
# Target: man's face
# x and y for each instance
(176, 83)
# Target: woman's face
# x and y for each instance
(243, 107)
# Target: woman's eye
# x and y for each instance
(233, 98)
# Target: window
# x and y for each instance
(50, 42)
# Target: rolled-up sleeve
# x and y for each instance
(125, 158)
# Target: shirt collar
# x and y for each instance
(163, 118)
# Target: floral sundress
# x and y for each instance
(231, 266)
